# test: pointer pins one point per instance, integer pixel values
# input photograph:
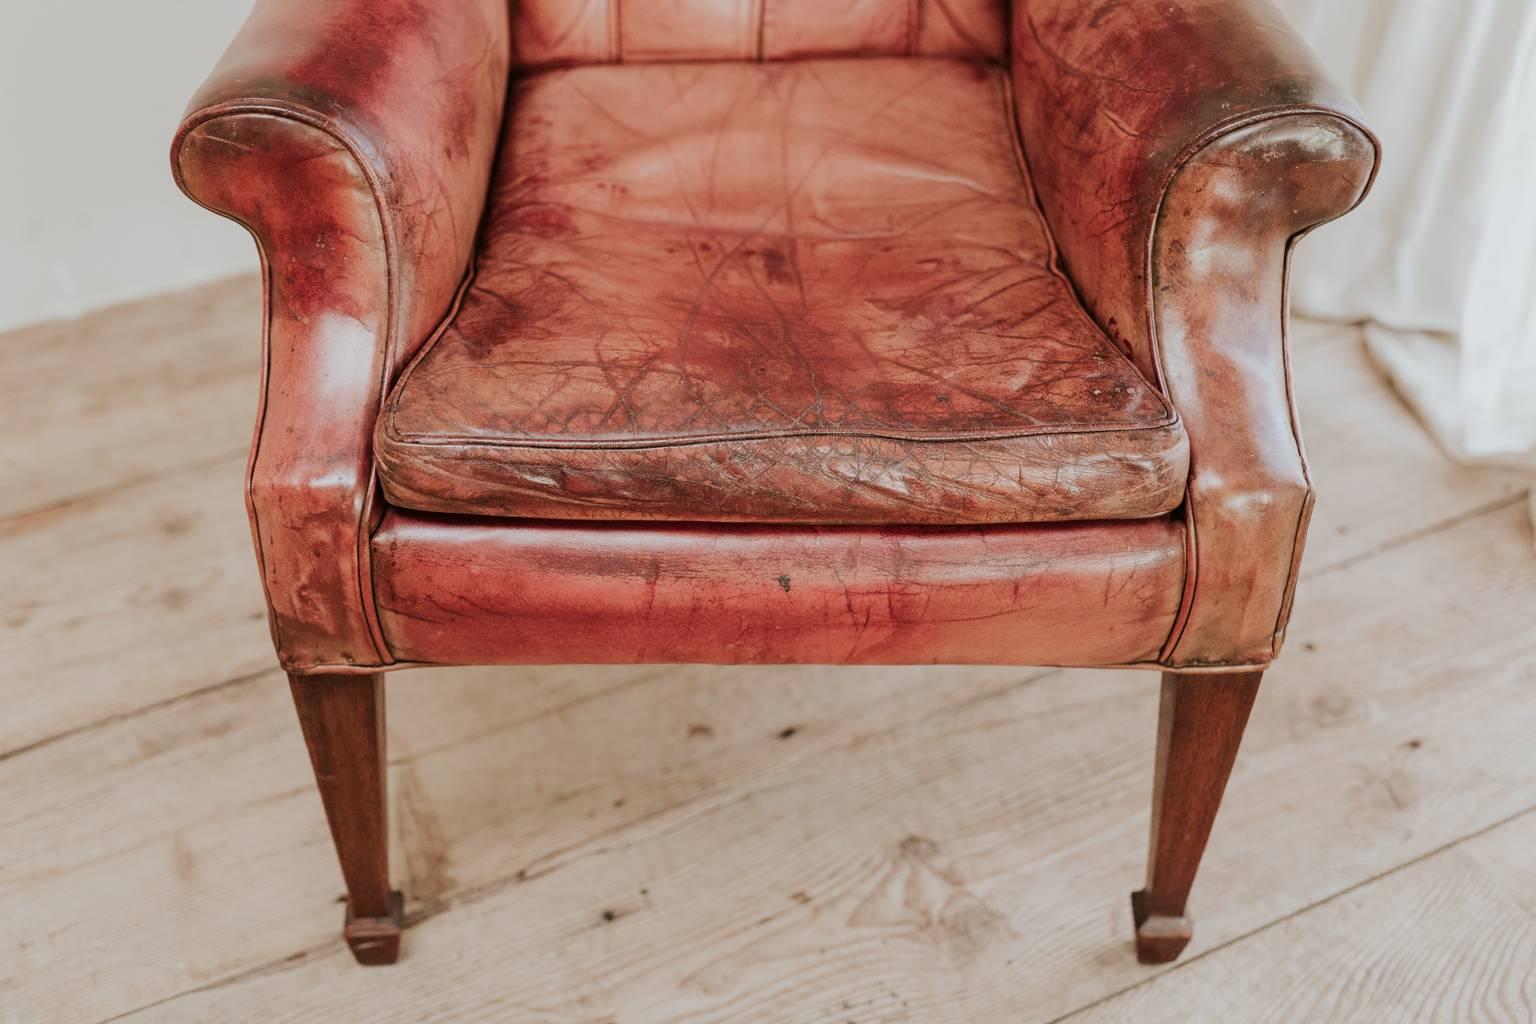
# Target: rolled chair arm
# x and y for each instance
(354, 139)
(1179, 149)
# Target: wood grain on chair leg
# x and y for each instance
(343, 721)
(1200, 724)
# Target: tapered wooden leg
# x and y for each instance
(343, 721)
(1200, 725)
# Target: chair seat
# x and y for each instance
(810, 292)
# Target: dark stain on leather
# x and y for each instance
(542, 221)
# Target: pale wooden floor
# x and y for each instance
(707, 845)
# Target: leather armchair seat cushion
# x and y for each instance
(812, 292)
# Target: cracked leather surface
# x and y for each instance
(608, 31)
(813, 292)
(484, 591)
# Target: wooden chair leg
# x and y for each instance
(343, 721)
(1200, 725)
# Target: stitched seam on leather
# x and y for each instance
(1021, 162)
(432, 440)
(345, 668)
(1304, 514)
(1213, 135)
(392, 432)
(342, 668)
(1196, 668)
(1191, 574)
(1288, 595)
(332, 128)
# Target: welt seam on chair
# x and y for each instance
(266, 369)
(1191, 576)
(1194, 668)
(1304, 516)
(344, 668)
(260, 429)
(441, 440)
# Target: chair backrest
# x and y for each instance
(548, 32)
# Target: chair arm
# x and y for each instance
(1179, 149)
(354, 140)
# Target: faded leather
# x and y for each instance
(549, 32)
(808, 292)
(1180, 148)
(493, 591)
(355, 141)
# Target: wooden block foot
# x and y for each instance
(375, 941)
(1159, 938)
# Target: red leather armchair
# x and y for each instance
(896, 331)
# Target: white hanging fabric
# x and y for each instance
(1441, 260)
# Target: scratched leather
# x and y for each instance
(494, 591)
(813, 292)
(607, 31)
(1180, 148)
(354, 139)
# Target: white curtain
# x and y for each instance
(1440, 263)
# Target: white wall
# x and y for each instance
(88, 213)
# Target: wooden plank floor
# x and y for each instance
(730, 844)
